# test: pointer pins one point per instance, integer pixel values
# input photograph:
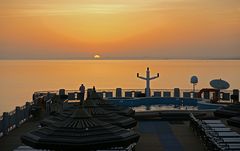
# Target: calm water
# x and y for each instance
(19, 79)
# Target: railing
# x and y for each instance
(107, 93)
(13, 119)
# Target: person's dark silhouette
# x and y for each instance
(94, 89)
(82, 92)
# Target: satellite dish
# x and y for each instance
(219, 84)
(194, 79)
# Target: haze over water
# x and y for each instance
(19, 79)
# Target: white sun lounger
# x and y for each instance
(212, 121)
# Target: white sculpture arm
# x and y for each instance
(140, 77)
(154, 77)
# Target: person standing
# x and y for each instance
(82, 92)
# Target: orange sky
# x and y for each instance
(114, 29)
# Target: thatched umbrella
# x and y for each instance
(80, 131)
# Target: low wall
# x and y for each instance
(225, 95)
(134, 102)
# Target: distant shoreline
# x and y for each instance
(137, 59)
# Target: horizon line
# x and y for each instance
(121, 58)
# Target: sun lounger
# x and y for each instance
(215, 135)
(220, 129)
(212, 121)
(215, 125)
(234, 121)
(230, 140)
(225, 134)
(232, 147)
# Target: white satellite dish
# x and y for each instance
(219, 84)
(194, 81)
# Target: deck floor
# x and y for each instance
(167, 136)
(12, 140)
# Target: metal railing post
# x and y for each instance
(28, 107)
(17, 116)
(5, 123)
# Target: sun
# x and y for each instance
(97, 56)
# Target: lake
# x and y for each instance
(20, 78)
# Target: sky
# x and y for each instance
(120, 29)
